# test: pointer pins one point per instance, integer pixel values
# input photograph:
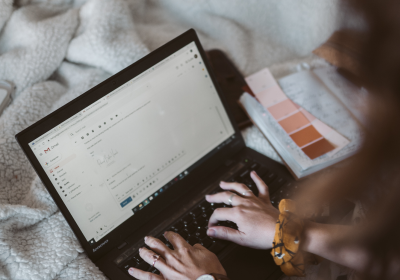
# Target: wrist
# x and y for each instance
(318, 240)
(309, 232)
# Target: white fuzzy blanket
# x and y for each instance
(54, 50)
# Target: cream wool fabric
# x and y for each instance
(55, 50)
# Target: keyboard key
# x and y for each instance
(187, 219)
(218, 205)
(195, 212)
(280, 181)
(197, 224)
(253, 188)
(262, 171)
(204, 206)
(122, 245)
(269, 178)
(200, 234)
(163, 239)
(184, 235)
(206, 242)
(192, 240)
(140, 260)
(199, 221)
(254, 166)
(208, 213)
(217, 246)
(189, 228)
(137, 258)
(143, 266)
(173, 229)
(245, 174)
(178, 225)
(205, 215)
(238, 179)
(131, 263)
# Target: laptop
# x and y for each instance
(136, 155)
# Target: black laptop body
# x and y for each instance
(136, 154)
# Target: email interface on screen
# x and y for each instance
(120, 153)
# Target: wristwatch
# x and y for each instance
(212, 276)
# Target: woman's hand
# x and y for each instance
(185, 262)
(255, 216)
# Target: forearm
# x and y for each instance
(317, 239)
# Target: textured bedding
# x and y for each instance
(54, 50)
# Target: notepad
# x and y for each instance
(302, 119)
(311, 135)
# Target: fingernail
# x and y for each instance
(145, 238)
(165, 236)
(222, 182)
(140, 249)
(207, 196)
(131, 271)
(211, 232)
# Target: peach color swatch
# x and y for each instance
(294, 122)
(282, 109)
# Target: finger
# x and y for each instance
(241, 189)
(157, 246)
(147, 256)
(220, 215)
(262, 187)
(199, 246)
(228, 198)
(143, 275)
(176, 240)
(226, 233)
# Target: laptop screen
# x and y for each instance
(123, 151)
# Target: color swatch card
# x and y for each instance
(303, 121)
(311, 135)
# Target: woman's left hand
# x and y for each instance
(185, 262)
(254, 216)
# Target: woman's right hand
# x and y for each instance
(255, 216)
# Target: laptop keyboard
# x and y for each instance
(193, 225)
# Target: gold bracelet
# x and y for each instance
(286, 244)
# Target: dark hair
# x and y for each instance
(373, 174)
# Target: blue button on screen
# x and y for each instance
(126, 201)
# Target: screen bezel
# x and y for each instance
(213, 158)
